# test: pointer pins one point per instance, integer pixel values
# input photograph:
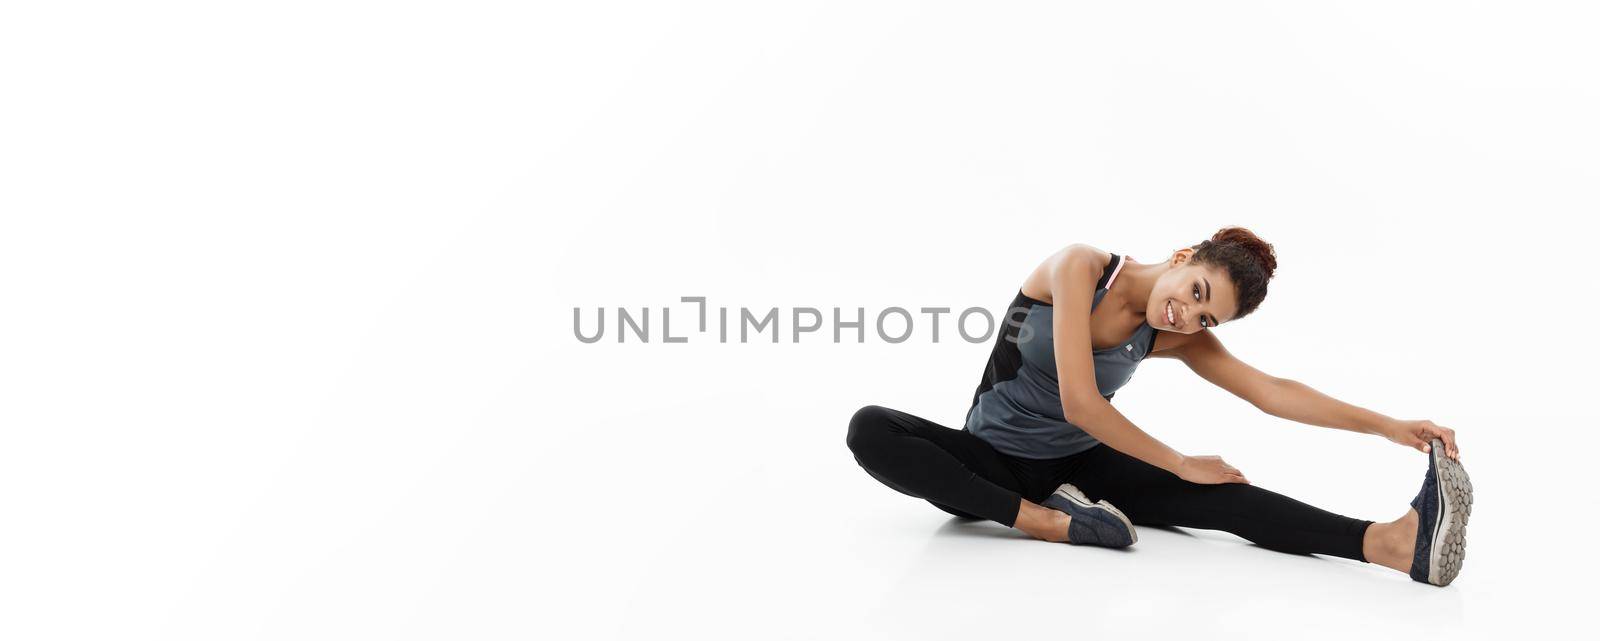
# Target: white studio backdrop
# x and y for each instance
(286, 349)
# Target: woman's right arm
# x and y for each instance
(1073, 274)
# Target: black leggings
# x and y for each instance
(963, 475)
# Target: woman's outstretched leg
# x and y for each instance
(1152, 496)
(1426, 542)
(952, 469)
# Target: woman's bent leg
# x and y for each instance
(1152, 496)
(956, 471)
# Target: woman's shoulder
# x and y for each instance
(1038, 284)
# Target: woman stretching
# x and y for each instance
(1042, 440)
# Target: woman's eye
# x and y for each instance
(1203, 322)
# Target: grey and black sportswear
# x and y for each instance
(1017, 407)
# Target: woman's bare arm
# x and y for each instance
(1285, 398)
(1301, 403)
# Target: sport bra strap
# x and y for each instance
(1110, 273)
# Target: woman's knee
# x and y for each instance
(867, 427)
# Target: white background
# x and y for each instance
(286, 296)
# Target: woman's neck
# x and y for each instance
(1135, 284)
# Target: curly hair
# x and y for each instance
(1248, 260)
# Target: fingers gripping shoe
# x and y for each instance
(1092, 523)
(1442, 506)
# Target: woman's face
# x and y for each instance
(1199, 296)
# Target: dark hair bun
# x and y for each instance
(1247, 240)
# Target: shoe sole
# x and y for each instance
(1450, 530)
(1072, 493)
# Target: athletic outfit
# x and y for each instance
(1017, 407)
(1016, 444)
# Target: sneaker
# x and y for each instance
(1092, 523)
(1443, 506)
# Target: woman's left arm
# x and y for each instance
(1296, 401)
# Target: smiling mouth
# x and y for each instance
(1169, 315)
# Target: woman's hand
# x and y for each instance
(1417, 434)
(1209, 470)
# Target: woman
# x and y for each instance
(1042, 437)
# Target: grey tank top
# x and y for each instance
(1017, 408)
